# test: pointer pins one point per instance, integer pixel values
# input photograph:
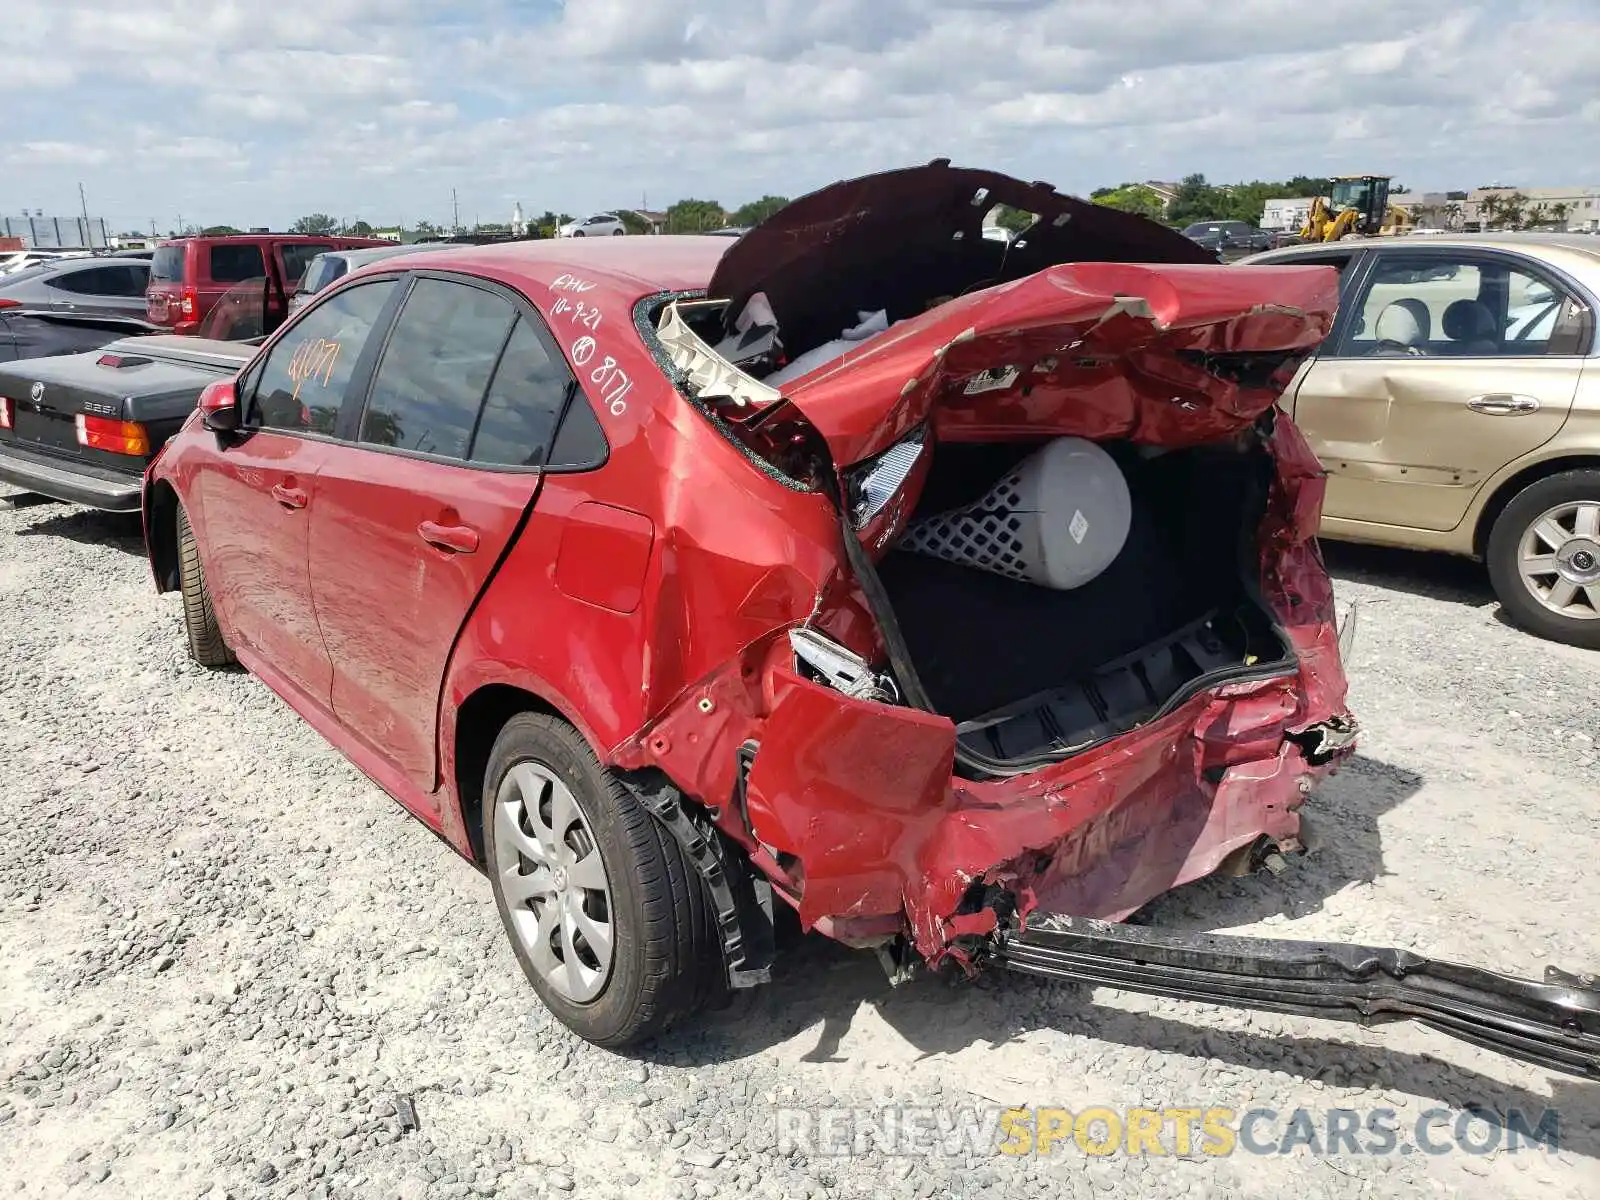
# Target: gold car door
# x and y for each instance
(1442, 374)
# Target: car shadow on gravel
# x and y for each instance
(1446, 577)
(117, 531)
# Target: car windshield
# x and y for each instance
(167, 264)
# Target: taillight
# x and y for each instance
(119, 437)
(190, 301)
(8, 303)
(5, 412)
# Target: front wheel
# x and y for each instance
(200, 626)
(577, 233)
(1544, 558)
(607, 918)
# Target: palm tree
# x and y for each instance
(1452, 215)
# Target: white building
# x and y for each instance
(1579, 206)
(1286, 214)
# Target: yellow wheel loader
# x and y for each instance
(1358, 204)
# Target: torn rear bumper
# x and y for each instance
(1554, 1024)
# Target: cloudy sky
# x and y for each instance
(256, 113)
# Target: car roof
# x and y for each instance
(361, 255)
(1576, 251)
(621, 269)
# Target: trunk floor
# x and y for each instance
(982, 641)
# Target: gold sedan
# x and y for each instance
(1456, 407)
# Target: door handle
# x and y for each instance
(289, 497)
(457, 539)
(1504, 404)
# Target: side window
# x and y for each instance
(303, 381)
(81, 283)
(1540, 318)
(295, 258)
(431, 383)
(1442, 308)
(525, 402)
(235, 263)
(1402, 309)
(130, 281)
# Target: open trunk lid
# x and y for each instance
(1091, 322)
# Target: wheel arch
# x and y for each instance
(1506, 490)
(478, 722)
(161, 533)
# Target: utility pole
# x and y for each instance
(455, 206)
(88, 234)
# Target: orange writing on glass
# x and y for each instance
(313, 360)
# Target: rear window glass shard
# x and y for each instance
(434, 373)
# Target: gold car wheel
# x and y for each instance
(1558, 558)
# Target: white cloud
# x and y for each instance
(256, 114)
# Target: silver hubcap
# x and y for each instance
(1559, 559)
(553, 881)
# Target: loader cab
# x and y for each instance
(1365, 194)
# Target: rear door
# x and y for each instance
(258, 493)
(1410, 427)
(415, 512)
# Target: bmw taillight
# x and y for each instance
(119, 437)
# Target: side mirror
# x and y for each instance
(219, 407)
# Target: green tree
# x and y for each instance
(1196, 200)
(317, 224)
(1132, 197)
(219, 231)
(358, 229)
(1014, 220)
(758, 211)
(695, 216)
(632, 221)
(427, 229)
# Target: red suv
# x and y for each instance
(923, 584)
(189, 275)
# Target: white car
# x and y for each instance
(598, 225)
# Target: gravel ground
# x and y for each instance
(227, 955)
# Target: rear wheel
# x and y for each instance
(200, 626)
(618, 232)
(608, 920)
(1544, 558)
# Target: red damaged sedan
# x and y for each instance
(960, 594)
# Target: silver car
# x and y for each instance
(80, 286)
(333, 265)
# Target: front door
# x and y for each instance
(1451, 365)
(258, 497)
(415, 513)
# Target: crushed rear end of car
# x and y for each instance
(1078, 647)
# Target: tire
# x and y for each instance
(577, 233)
(200, 626)
(618, 232)
(665, 952)
(1572, 496)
